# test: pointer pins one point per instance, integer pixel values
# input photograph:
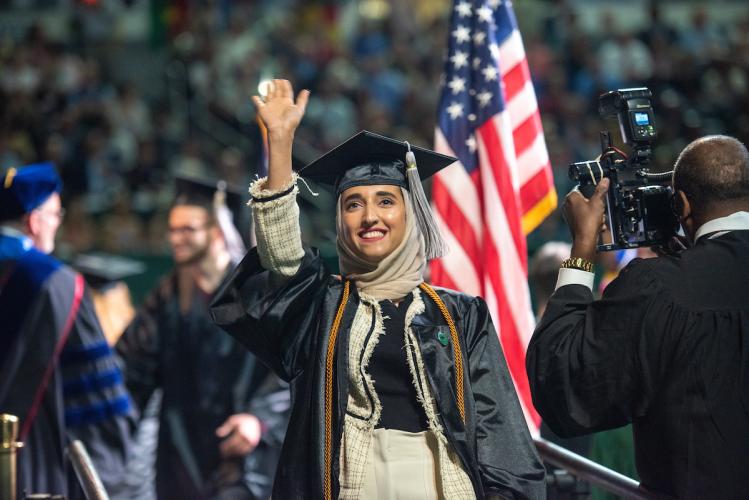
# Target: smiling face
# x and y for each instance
(374, 220)
(191, 232)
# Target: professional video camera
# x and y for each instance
(639, 209)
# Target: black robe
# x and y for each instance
(289, 327)
(205, 377)
(49, 326)
(666, 348)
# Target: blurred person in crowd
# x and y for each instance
(129, 111)
(223, 414)
(667, 346)
(657, 30)
(188, 161)
(417, 402)
(704, 39)
(623, 59)
(121, 229)
(105, 274)
(57, 372)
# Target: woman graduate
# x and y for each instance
(399, 390)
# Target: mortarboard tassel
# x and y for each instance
(234, 243)
(434, 244)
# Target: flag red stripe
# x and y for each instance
(526, 133)
(515, 79)
(508, 331)
(536, 188)
(512, 181)
(505, 188)
(461, 228)
(438, 274)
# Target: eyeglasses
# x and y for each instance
(59, 214)
(186, 230)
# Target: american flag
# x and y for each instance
(502, 187)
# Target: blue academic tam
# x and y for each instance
(23, 189)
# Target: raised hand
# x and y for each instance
(281, 116)
(278, 111)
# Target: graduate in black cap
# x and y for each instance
(223, 413)
(57, 372)
(400, 390)
(105, 274)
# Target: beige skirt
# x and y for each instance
(401, 466)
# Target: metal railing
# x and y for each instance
(590, 471)
(9, 446)
(88, 478)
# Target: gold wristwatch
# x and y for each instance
(578, 263)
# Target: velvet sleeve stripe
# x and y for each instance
(92, 382)
(86, 353)
(97, 412)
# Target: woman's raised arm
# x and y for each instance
(281, 116)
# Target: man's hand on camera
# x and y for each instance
(585, 218)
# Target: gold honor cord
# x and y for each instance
(327, 481)
(459, 390)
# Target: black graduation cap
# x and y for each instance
(368, 159)
(371, 159)
(102, 270)
(200, 190)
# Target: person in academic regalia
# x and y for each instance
(105, 274)
(400, 390)
(57, 373)
(223, 413)
(667, 346)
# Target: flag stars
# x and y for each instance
(485, 14)
(459, 59)
(472, 117)
(471, 143)
(476, 62)
(455, 110)
(490, 73)
(463, 9)
(457, 85)
(484, 98)
(479, 37)
(462, 34)
(494, 3)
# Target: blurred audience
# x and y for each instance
(118, 144)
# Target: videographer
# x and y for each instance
(667, 346)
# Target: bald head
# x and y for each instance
(713, 172)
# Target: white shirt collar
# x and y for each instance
(737, 221)
(15, 233)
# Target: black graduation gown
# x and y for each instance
(205, 377)
(49, 328)
(666, 348)
(288, 327)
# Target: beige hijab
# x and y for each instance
(396, 275)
